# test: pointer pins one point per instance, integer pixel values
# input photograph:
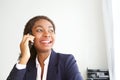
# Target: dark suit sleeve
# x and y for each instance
(71, 69)
(16, 74)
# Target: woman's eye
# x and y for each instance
(51, 30)
(39, 30)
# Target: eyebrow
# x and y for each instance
(37, 26)
(42, 27)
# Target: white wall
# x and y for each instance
(116, 38)
(79, 25)
(108, 26)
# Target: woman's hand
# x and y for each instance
(24, 47)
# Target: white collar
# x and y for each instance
(45, 62)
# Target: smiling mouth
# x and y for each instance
(46, 42)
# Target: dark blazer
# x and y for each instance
(61, 67)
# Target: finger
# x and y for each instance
(24, 37)
(28, 38)
(31, 38)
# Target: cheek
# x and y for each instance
(37, 38)
(53, 38)
(36, 41)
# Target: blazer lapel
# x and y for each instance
(32, 71)
(53, 67)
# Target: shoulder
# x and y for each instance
(68, 62)
(66, 58)
(61, 55)
(62, 58)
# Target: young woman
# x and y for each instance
(38, 61)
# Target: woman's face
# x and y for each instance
(44, 34)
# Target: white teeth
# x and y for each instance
(45, 41)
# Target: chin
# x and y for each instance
(44, 49)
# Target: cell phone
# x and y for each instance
(30, 43)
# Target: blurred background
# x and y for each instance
(84, 28)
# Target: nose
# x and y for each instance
(46, 34)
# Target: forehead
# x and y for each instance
(43, 22)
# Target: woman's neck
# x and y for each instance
(42, 56)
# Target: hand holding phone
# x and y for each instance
(25, 46)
